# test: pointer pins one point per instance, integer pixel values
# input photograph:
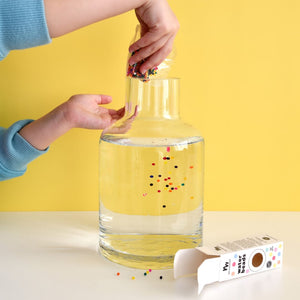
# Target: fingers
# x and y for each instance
(117, 114)
(159, 27)
(102, 99)
(146, 40)
(158, 57)
(148, 50)
(121, 112)
(135, 112)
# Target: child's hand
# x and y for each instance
(84, 111)
(124, 126)
(79, 111)
(159, 26)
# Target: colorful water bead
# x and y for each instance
(134, 71)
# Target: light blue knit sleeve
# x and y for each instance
(15, 151)
(22, 25)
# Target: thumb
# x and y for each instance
(103, 99)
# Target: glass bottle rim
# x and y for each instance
(158, 79)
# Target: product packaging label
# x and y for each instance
(229, 260)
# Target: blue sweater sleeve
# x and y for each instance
(22, 25)
(15, 151)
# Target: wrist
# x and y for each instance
(145, 4)
(65, 117)
(42, 132)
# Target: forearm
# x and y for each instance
(64, 16)
(42, 132)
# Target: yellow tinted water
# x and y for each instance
(151, 180)
(150, 202)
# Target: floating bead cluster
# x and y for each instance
(165, 183)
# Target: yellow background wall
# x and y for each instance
(239, 61)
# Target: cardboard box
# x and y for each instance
(229, 260)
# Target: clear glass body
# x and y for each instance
(150, 179)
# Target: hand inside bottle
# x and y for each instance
(80, 111)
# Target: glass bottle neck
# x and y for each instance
(157, 98)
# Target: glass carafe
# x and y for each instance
(150, 179)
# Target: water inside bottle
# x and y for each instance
(151, 193)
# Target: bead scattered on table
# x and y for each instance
(145, 274)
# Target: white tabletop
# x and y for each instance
(53, 255)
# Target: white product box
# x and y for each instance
(229, 260)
